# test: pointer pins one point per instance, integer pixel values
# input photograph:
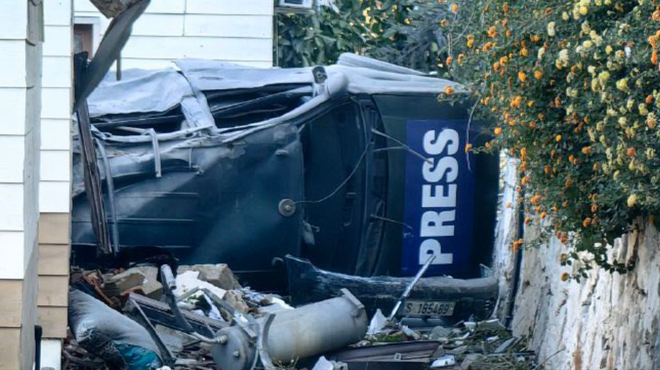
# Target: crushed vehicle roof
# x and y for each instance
(353, 74)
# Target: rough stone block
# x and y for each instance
(219, 275)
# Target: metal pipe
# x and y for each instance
(306, 331)
(410, 287)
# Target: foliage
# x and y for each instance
(403, 32)
(319, 38)
(571, 88)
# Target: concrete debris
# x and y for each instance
(189, 282)
(324, 364)
(219, 275)
(203, 317)
(235, 299)
(440, 332)
(141, 278)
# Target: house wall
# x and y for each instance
(237, 31)
(55, 171)
(20, 102)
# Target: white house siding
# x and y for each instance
(55, 173)
(20, 71)
(237, 31)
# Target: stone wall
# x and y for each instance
(607, 321)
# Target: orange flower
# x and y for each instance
(497, 131)
(536, 199)
(443, 23)
(492, 32)
(649, 99)
(653, 41)
(450, 59)
(468, 146)
(449, 90)
(594, 208)
(546, 170)
(508, 33)
(544, 215)
(522, 76)
(524, 52)
(504, 60)
(496, 66)
(525, 180)
(630, 152)
(487, 46)
(654, 57)
(505, 8)
(454, 8)
(564, 276)
(558, 138)
(535, 38)
(470, 41)
(656, 15)
(586, 150)
(586, 222)
(516, 102)
(460, 59)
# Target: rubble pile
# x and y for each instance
(115, 291)
(148, 317)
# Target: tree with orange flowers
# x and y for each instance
(586, 121)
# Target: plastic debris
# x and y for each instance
(444, 361)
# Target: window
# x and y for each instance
(83, 39)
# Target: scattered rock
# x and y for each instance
(143, 279)
(469, 360)
(440, 332)
(458, 351)
(124, 281)
(235, 299)
(219, 275)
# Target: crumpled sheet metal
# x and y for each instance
(365, 75)
(134, 93)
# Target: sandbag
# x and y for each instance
(121, 342)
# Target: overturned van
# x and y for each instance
(356, 166)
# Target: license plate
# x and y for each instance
(428, 308)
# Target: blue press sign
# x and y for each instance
(439, 198)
